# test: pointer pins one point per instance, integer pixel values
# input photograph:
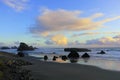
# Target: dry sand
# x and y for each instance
(42, 70)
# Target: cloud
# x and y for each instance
(49, 42)
(18, 5)
(57, 39)
(51, 21)
(93, 33)
(105, 41)
(2, 44)
(16, 42)
(75, 43)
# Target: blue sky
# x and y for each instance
(60, 23)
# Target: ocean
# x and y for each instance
(109, 61)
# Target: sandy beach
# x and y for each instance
(42, 70)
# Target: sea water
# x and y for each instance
(110, 60)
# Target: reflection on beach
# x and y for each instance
(101, 63)
(85, 59)
(98, 62)
(74, 60)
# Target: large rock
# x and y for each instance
(24, 46)
(86, 55)
(73, 54)
(54, 58)
(76, 49)
(20, 54)
(64, 57)
(102, 52)
(45, 57)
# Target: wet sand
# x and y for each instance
(42, 70)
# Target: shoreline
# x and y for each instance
(41, 70)
(69, 71)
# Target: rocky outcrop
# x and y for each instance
(102, 52)
(54, 58)
(11, 69)
(76, 49)
(86, 55)
(45, 57)
(5, 47)
(20, 54)
(73, 54)
(24, 46)
(14, 47)
(64, 57)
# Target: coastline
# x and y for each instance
(69, 71)
(41, 70)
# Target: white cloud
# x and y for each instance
(51, 21)
(105, 41)
(94, 33)
(57, 39)
(18, 5)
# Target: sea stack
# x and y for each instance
(73, 56)
(86, 55)
(102, 52)
(24, 46)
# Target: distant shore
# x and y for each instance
(42, 70)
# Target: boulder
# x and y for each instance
(64, 57)
(102, 52)
(86, 55)
(54, 58)
(73, 54)
(20, 54)
(45, 57)
(24, 46)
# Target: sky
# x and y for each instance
(60, 23)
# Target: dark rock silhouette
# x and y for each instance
(86, 60)
(86, 55)
(64, 57)
(102, 52)
(24, 46)
(20, 54)
(77, 49)
(54, 58)
(14, 47)
(5, 47)
(73, 56)
(45, 57)
(73, 60)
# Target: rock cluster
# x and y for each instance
(102, 52)
(24, 46)
(86, 55)
(11, 69)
